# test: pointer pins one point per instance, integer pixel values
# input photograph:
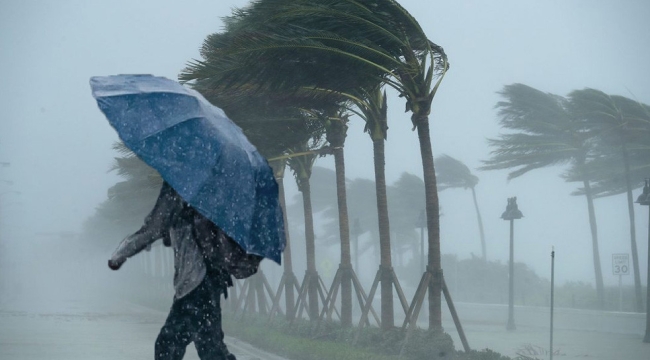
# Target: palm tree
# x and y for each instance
(301, 167)
(408, 62)
(362, 204)
(128, 201)
(278, 42)
(323, 198)
(618, 123)
(289, 280)
(407, 203)
(133, 197)
(405, 197)
(545, 133)
(307, 96)
(452, 173)
(275, 131)
(335, 132)
(372, 108)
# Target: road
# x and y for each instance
(89, 328)
(98, 328)
(579, 334)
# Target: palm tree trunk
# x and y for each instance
(594, 240)
(433, 222)
(387, 315)
(480, 225)
(630, 209)
(288, 263)
(344, 232)
(312, 286)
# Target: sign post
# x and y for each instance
(620, 267)
(552, 296)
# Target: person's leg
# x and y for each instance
(175, 334)
(209, 335)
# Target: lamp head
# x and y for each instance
(512, 210)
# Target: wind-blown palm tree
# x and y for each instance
(544, 133)
(303, 92)
(127, 204)
(407, 203)
(405, 198)
(289, 279)
(138, 188)
(452, 173)
(618, 124)
(372, 106)
(336, 127)
(275, 131)
(277, 42)
(301, 167)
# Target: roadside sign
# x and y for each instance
(621, 264)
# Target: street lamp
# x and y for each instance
(644, 199)
(421, 223)
(512, 212)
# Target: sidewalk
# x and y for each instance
(90, 329)
(574, 337)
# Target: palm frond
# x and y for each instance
(453, 173)
(544, 132)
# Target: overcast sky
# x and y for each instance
(59, 144)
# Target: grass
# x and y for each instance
(273, 339)
(300, 341)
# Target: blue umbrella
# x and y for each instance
(201, 153)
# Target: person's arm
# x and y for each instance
(155, 226)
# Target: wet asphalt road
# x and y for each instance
(89, 329)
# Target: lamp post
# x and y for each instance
(421, 223)
(512, 212)
(644, 199)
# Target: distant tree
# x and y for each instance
(545, 133)
(620, 125)
(362, 205)
(407, 203)
(405, 197)
(452, 173)
(323, 180)
(127, 202)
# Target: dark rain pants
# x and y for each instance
(196, 317)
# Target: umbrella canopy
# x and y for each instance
(201, 153)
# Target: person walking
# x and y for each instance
(200, 276)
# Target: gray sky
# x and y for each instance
(59, 144)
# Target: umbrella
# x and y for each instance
(201, 153)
